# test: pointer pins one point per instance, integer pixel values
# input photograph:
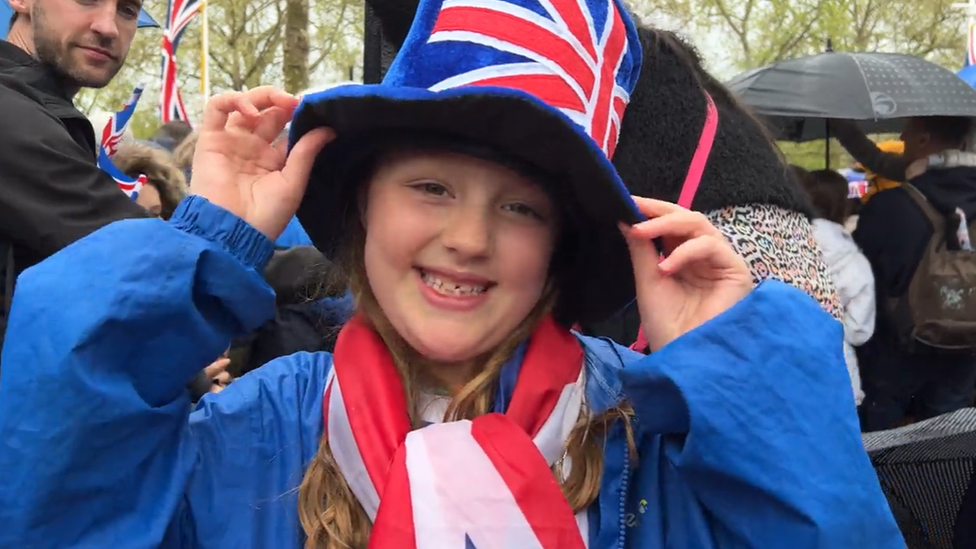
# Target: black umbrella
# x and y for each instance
(926, 472)
(876, 89)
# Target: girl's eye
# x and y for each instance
(522, 209)
(431, 187)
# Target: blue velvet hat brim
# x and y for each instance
(513, 123)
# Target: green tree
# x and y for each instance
(757, 32)
(337, 38)
(247, 40)
(931, 29)
(295, 51)
(752, 32)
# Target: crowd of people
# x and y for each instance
(516, 295)
(900, 257)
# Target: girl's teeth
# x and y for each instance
(449, 288)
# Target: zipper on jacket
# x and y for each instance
(624, 489)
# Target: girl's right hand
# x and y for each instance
(218, 374)
(239, 165)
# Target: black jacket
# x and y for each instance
(51, 190)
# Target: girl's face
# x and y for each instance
(457, 250)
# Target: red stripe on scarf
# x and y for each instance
(538, 494)
(377, 411)
(537, 389)
(394, 522)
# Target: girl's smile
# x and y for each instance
(457, 250)
(453, 291)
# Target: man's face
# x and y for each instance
(84, 41)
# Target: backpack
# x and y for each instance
(939, 308)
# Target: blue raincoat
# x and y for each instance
(746, 426)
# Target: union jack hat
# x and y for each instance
(545, 81)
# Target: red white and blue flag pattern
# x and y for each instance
(460, 496)
(178, 15)
(568, 53)
(970, 44)
(111, 137)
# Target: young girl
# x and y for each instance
(475, 221)
(849, 268)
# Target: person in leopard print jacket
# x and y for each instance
(746, 188)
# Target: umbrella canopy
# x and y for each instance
(6, 12)
(926, 471)
(878, 90)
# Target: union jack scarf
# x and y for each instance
(484, 483)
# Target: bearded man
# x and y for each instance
(51, 191)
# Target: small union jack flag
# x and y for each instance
(129, 186)
(568, 53)
(118, 122)
(178, 16)
(111, 137)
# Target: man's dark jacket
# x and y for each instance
(893, 232)
(51, 190)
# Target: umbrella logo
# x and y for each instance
(883, 104)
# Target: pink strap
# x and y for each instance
(698, 162)
(690, 187)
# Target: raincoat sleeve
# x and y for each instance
(758, 427)
(103, 338)
(888, 165)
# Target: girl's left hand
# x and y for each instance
(700, 276)
(240, 163)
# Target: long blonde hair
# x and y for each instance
(332, 517)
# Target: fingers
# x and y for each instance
(220, 107)
(643, 255)
(679, 224)
(690, 237)
(298, 166)
(216, 367)
(280, 146)
(656, 208)
(245, 109)
(703, 250)
(272, 121)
